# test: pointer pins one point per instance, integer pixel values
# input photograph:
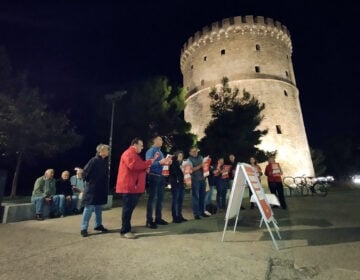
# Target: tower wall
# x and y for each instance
(255, 54)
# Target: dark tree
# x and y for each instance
(150, 107)
(28, 129)
(318, 159)
(234, 127)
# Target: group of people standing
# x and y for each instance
(137, 175)
(134, 174)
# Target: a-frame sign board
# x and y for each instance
(245, 175)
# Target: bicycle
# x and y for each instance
(305, 185)
(321, 184)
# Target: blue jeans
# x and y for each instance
(60, 204)
(198, 197)
(155, 190)
(39, 202)
(88, 209)
(208, 196)
(130, 201)
(178, 192)
(66, 206)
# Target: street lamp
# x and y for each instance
(113, 98)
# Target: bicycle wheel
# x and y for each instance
(301, 185)
(320, 189)
(289, 182)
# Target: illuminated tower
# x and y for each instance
(255, 54)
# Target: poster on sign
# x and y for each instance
(245, 175)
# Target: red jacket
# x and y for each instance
(132, 172)
(273, 172)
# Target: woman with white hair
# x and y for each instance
(96, 191)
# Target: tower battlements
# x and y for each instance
(257, 25)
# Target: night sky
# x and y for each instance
(72, 48)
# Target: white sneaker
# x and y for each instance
(129, 235)
(207, 213)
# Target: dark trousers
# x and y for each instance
(130, 201)
(198, 197)
(278, 189)
(155, 190)
(177, 191)
(221, 191)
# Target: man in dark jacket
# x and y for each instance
(96, 191)
(67, 200)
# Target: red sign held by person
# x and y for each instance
(206, 166)
(187, 169)
(166, 165)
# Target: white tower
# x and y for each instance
(255, 54)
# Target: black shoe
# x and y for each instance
(183, 219)
(84, 233)
(242, 208)
(101, 228)
(39, 217)
(151, 224)
(76, 211)
(205, 215)
(177, 221)
(52, 215)
(197, 217)
(161, 222)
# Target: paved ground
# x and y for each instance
(320, 240)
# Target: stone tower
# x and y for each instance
(255, 54)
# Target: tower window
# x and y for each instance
(285, 93)
(202, 82)
(257, 69)
(257, 47)
(287, 74)
(278, 129)
(205, 58)
(192, 67)
(222, 52)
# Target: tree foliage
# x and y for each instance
(318, 159)
(28, 129)
(150, 107)
(342, 153)
(234, 127)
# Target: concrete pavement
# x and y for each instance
(320, 240)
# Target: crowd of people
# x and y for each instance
(87, 191)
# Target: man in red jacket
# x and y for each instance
(131, 182)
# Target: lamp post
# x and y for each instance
(113, 98)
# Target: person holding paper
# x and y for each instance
(176, 179)
(273, 172)
(258, 173)
(131, 183)
(156, 184)
(197, 184)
